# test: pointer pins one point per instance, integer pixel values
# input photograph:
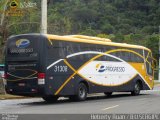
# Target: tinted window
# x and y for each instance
(128, 56)
(1, 68)
(53, 50)
(149, 66)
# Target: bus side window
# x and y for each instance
(52, 49)
(118, 54)
(62, 50)
(135, 58)
(149, 65)
(69, 48)
(126, 56)
(79, 48)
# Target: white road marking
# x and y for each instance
(111, 107)
(151, 91)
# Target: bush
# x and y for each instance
(2, 89)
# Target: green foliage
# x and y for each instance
(102, 36)
(129, 21)
(103, 16)
(118, 38)
(89, 32)
(152, 43)
(107, 28)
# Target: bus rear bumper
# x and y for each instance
(30, 92)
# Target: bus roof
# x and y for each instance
(74, 38)
(86, 39)
(90, 38)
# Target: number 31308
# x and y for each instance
(60, 68)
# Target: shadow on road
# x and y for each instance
(98, 98)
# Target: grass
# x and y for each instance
(156, 83)
(7, 96)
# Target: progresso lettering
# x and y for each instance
(28, 50)
(111, 69)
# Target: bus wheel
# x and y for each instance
(137, 89)
(50, 99)
(81, 92)
(108, 94)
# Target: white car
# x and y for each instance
(1, 71)
(1, 74)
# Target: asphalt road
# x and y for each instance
(146, 102)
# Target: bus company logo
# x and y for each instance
(109, 68)
(14, 4)
(22, 43)
(100, 68)
(16, 7)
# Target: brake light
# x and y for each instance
(41, 75)
(5, 76)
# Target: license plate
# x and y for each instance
(21, 84)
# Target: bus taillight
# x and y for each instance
(41, 78)
(41, 75)
(5, 76)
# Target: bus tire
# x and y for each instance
(50, 99)
(81, 92)
(108, 94)
(137, 89)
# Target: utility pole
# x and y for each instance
(44, 16)
(3, 12)
(159, 58)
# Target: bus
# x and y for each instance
(51, 66)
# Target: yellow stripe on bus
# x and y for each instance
(76, 71)
(63, 85)
(35, 72)
(69, 65)
(110, 84)
(79, 40)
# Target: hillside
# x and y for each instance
(129, 21)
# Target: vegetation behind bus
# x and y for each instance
(114, 19)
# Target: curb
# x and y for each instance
(12, 97)
(157, 85)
